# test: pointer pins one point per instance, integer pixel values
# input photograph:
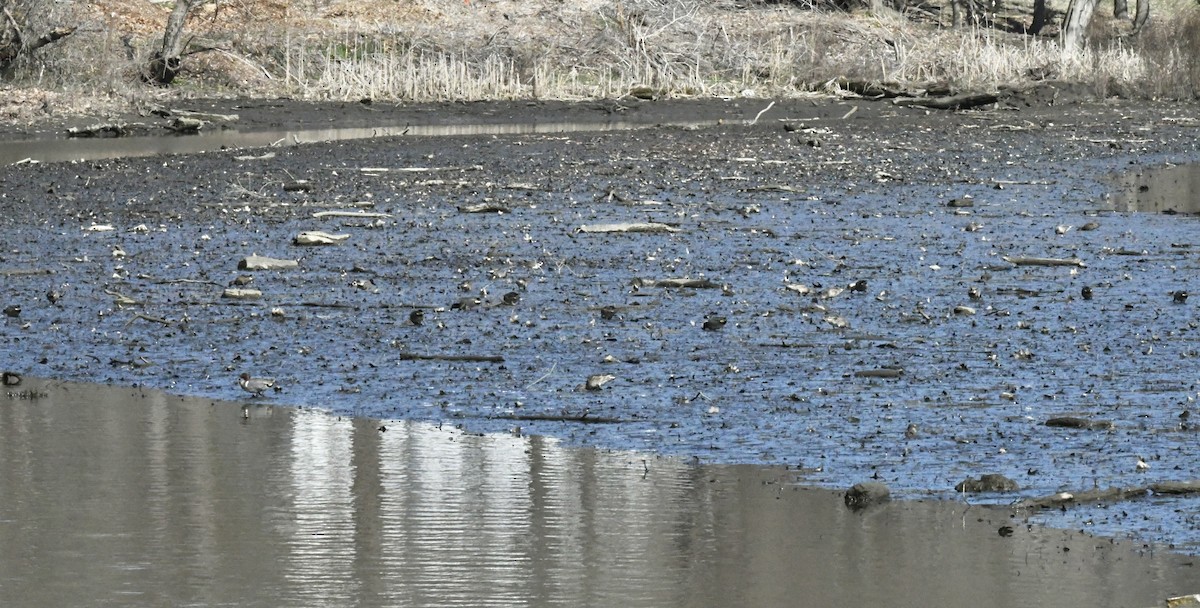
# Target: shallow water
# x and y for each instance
(82, 149)
(125, 497)
(1167, 188)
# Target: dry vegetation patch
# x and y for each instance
(488, 49)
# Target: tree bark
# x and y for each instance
(1120, 9)
(1075, 24)
(165, 63)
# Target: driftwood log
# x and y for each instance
(951, 102)
(1062, 500)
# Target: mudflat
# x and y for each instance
(848, 287)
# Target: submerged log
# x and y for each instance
(879, 373)
(1062, 499)
(437, 357)
(1072, 422)
(1036, 261)
(676, 283)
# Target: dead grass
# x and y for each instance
(489, 49)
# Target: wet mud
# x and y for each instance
(873, 327)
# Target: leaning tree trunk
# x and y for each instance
(165, 63)
(1075, 24)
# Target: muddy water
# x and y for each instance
(56, 150)
(123, 497)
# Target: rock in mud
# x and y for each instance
(258, 262)
(990, 482)
(866, 494)
(235, 293)
(596, 381)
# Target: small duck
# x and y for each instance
(255, 386)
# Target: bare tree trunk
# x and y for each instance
(165, 64)
(1039, 17)
(1141, 16)
(1075, 24)
(1120, 9)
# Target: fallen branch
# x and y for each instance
(677, 283)
(1062, 499)
(1033, 261)
(25, 272)
(146, 277)
(149, 318)
(628, 227)
(99, 130)
(472, 358)
(952, 102)
(321, 214)
(584, 418)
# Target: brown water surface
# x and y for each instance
(125, 497)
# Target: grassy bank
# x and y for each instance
(479, 49)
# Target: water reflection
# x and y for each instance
(1170, 188)
(118, 497)
(57, 150)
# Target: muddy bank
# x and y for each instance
(121, 497)
(870, 328)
